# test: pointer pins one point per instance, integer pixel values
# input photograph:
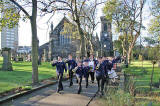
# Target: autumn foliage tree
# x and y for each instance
(126, 15)
(11, 18)
(155, 22)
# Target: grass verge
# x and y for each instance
(22, 75)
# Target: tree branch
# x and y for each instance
(20, 7)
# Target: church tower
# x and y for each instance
(106, 37)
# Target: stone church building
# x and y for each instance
(62, 42)
(106, 37)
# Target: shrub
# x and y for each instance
(118, 98)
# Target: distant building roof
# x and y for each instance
(24, 49)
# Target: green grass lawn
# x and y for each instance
(142, 81)
(22, 75)
(142, 78)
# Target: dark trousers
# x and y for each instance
(79, 83)
(71, 77)
(107, 79)
(86, 79)
(100, 81)
(60, 77)
(92, 76)
(106, 82)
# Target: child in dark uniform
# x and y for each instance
(100, 75)
(92, 63)
(71, 65)
(106, 64)
(60, 67)
(86, 70)
(79, 74)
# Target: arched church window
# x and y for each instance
(63, 40)
(69, 38)
(66, 39)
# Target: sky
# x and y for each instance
(43, 28)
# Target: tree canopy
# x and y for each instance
(126, 15)
(155, 22)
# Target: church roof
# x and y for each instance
(66, 19)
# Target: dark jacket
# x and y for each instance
(95, 62)
(79, 71)
(113, 62)
(106, 66)
(85, 60)
(100, 70)
(86, 71)
(60, 67)
(71, 64)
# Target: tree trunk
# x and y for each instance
(137, 33)
(158, 63)
(124, 49)
(131, 47)
(34, 38)
(82, 49)
(91, 45)
(77, 20)
(34, 43)
(123, 52)
(129, 54)
(152, 78)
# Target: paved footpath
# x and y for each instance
(48, 96)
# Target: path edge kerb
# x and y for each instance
(14, 96)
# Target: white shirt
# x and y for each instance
(91, 64)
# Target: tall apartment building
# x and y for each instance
(9, 36)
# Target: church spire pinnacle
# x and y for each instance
(51, 26)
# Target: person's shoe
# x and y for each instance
(92, 82)
(78, 92)
(61, 89)
(71, 84)
(57, 91)
(102, 93)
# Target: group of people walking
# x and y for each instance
(95, 68)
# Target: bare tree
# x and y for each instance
(89, 23)
(75, 9)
